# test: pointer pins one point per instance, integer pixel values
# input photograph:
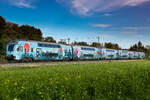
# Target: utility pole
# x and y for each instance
(98, 39)
(68, 40)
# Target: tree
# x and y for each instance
(140, 48)
(2, 22)
(137, 47)
(148, 49)
(31, 33)
(49, 39)
(95, 44)
(80, 43)
(2, 28)
(74, 43)
(112, 45)
(62, 42)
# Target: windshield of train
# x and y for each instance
(11, 47)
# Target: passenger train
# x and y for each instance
(21, 50)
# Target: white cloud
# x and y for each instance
(129, 32)
(107, 14)
(21, 3)
(101, 25)
(137, 28)
(86, 7)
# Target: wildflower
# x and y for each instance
(15, 99)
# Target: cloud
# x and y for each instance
(86, 7)
(22, 3)
(129, 32)
(107, 14)
(135, 31)
(137, 28)
(101, 25)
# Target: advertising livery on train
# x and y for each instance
(21, 50)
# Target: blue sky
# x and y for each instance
(119, 21)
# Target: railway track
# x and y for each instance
(36, 64)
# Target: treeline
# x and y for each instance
(140, 47)
(11, 31)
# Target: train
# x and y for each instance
(23, 50)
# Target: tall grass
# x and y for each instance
(91, 81)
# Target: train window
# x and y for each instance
(11, 47)
(48, 45)
(109, 50)
(40, 45)
(31, 49)
(20, 48)
(124, 51)
(92, 49)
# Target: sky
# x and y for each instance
(119, 21)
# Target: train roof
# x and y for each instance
(38, 42)
(85, 46)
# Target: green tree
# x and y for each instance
(80, 43)
(2, 28)
(95, 44)
(30, 33)
(49, 39)
(62, 42)
(112, 45)
(140, 48)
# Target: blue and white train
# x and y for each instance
(21, 50)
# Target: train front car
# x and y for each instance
(28, 51)
(12, 51)
(19, 50)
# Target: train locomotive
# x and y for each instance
(22, 50)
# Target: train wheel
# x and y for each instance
(67, 59)
(27, 59)
(76, 59)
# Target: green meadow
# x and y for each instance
(89, 81)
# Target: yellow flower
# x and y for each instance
(15, 99)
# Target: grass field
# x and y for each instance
(91, 81)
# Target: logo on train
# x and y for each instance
(26, 48)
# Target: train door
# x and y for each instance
(39, 53)
(25, 51)
(70, 52)
(19, 52)
(74, 53)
